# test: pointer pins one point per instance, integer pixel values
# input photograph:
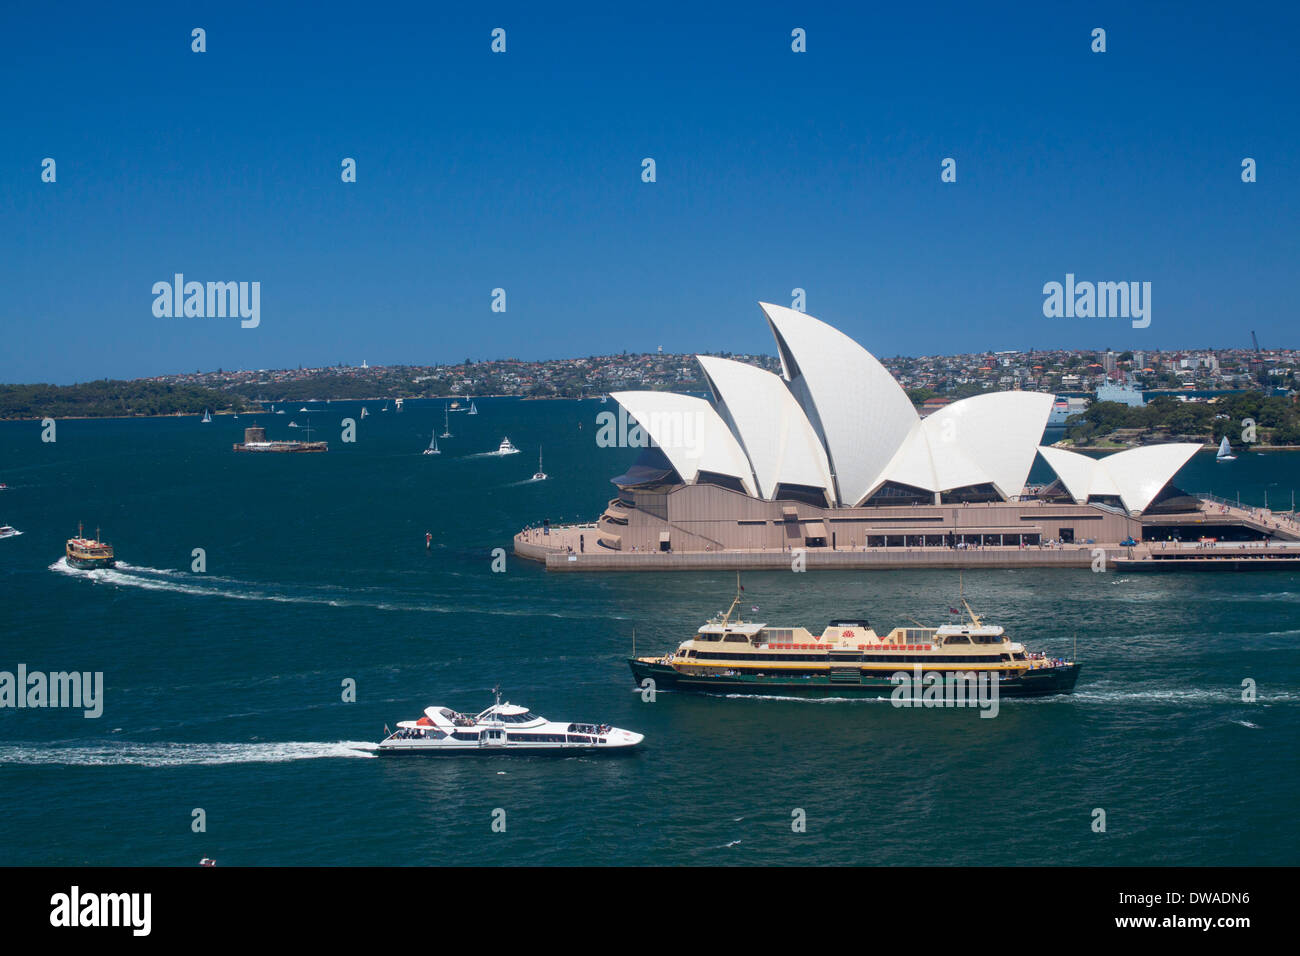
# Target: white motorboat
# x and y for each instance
(507, 448)
(8, 532)
(502, 728)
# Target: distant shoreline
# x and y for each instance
(251, 413)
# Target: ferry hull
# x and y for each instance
(91, 564)
(607, 751)
(1043, 682)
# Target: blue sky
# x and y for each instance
(522, 170)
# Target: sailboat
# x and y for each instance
(473, 409)
(433, 447)
(1225, 451)
(446, 423)
(207, 416)
(540, 475)
(364, 411)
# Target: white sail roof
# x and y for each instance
(1135, 476)
(771, 426)
(690, 432)
(998, 433)
(857, 408)
(985, 439)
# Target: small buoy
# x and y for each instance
(428, 541)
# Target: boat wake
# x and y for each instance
(125, 754)
(1190, 695)
(208, 585)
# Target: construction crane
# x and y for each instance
(1255, 340)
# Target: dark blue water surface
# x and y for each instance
(224, 688)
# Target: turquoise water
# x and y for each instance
(223, 689)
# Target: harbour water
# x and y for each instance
(223, 689)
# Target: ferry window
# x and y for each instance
(464, 735)
(958, 639)
(737, 639)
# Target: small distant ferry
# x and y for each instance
(507, 448)
(89, 553)
(848, 659)
(502, 728)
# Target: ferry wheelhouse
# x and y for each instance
(502, 728)
(849, 658)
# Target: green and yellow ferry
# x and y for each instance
(848, 659)
(88, 554)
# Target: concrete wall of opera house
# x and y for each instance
(712, 518)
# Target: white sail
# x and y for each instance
(1225, 449)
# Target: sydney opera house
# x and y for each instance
(832, 454)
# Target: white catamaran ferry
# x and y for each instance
(502, 728)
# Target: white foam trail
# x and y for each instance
(179, 582)
(1227, 695)
(114, 754)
